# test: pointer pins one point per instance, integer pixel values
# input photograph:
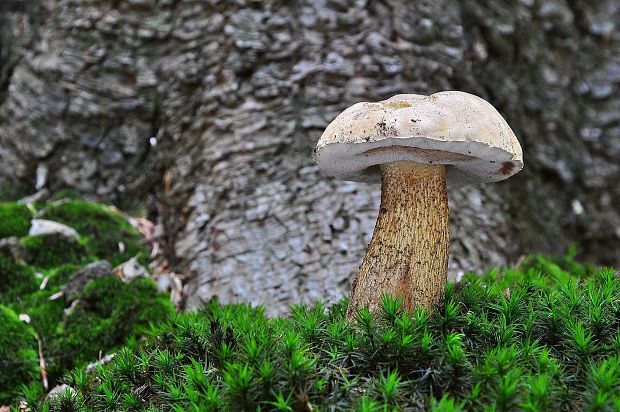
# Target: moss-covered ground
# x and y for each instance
(542, 337)
(14, 219)
(109, 311)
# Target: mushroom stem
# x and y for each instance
(408, 254)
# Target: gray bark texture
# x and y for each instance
(237, 93)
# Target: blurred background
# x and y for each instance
(204, 114)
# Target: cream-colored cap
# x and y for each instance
(457, 129)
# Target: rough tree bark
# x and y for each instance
(237, 93)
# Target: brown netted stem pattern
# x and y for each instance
(408, 253)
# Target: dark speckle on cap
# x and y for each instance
(506, 168)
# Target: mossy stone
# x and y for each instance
(14, 220)
(47, 251)
(45, 314)
(107, 312)
(18, 356)
(102, 229)
(59, 275)
(16, 280)
(110, 311)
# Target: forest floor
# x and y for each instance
(87, 311)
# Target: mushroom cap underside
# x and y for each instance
(457, 129)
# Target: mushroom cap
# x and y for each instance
(456, 129)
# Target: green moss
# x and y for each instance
(14, 220)
(18, 357)
(110, 312)
(535, 338)
(102, 229)
(45, 315)
(59, 275)
(15, 280)
(19, 289)
(47, 251)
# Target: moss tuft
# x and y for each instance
(59, 275)
(45, 314)
(102, 229)
(110, 312)
(106, 313)
(16, 280)
(18, 357)
(535, 338)
(48, 251)
(14, 220)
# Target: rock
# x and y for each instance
(164, 284)
(58, 392)
(104, 360)
(49, 227)
(12, 247)
(41, 176)
(78, 281)
(131, 269)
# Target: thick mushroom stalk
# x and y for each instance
(408, 254)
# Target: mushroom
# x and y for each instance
(416, 146)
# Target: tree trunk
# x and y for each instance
(209, 111)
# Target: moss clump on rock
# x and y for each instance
(59, 275)
(109, 311)
(18, 357)
(14, 220)
(48, 251)
(16, 280)
(98, 315)
(101, 228)
(535, 338)
(45, 314)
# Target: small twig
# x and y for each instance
(155, 250)
(42, 364)
(57, 295)
(44, 283)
